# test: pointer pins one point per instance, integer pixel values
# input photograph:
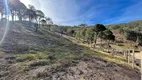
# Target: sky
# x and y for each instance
(90, 12)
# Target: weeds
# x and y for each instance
(29, 57)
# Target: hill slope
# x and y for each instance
(134, 25)
(27, 55)
(128, 32)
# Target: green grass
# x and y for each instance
(30, 57)
(117, 59)
(64, 52)
(123, 47)
(39, 63)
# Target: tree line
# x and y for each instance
(16, 10)
(88, 34)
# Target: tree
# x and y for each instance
(40, 15)
(108, 36)
(90, 35)
(43, 22)
(78, 36)
(31, 13)
(70, 31)
(4, 9)
(98, 28)
(49, 22)
(1, 8)
(107, 32)
(54, 28)
(21, 10)
(83, 25)
(16, 8)
(83, 33)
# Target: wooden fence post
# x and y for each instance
(124, 53)
(133, 58)
(128, 56)
(141, 68)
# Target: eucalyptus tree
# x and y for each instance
(12, 8)
(90, 35)
(21, 10)
(31, 14)
(4, 9)
(83, 33)
(78, 35)
(13, 5)
(108, 36)
(1, 8)
(40, 15)
(49, 22)
(43, 22)
(98, 28)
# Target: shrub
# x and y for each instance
(39, 63)
(26, 57)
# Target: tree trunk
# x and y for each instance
(36, 25)
(0, 17)
(95, 41)
(12, 17)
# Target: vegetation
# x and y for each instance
(89, 34)
(29, 57)
(129, 31)
(17, 9)
(36, 45)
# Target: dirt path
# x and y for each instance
(92, 69)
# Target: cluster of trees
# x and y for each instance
(91, 34)
(16, 10)
(129, 31)
(88, 34)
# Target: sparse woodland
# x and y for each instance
(35, 48)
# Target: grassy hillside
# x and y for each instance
(29, 55)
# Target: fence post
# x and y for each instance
(133, 58)
(128, 56)
(141, 68)
(124, 53)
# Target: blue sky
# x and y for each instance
(74, 12)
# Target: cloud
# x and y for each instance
(130, 13)
(74, 12)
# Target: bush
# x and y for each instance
(39, 63)
(26, 57)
